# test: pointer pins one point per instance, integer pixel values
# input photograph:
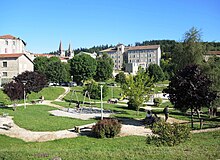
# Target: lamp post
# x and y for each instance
(101, 103)
(0, 80)
(24, 83)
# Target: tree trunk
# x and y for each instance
(137, 113)
(198, 113)
(192, 117)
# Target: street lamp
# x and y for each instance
(24, 83)
(101, 103)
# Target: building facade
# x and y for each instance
(11, 44)
(13, 65)
(133, 57)
(13, 58)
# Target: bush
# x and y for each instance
(169, 134)
(157, 101)
(106, 128)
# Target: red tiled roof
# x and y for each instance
(8, 36)
(133, 48)
(11, 55)
(143, 47)
(43, 55)
(214, 52)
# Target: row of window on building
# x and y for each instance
(6, 43)
(142, 60)
(141, 51)
(142, 55)
(4, 64)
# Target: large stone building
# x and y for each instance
(11, 44)
(133, 57)
(13, 58)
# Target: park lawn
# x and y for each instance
(201, 146)
(37, 118)
(49, 93)
(113, 92)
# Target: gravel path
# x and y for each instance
(31, 136)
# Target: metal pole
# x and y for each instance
(24, 99)
(101, 104)
(112, 92)
(24, 83)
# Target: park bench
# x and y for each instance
(8, 126)
(35, 101)
(78, 129)
(113, 101)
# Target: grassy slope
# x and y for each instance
(49, 93)
(201, 146)
(37, 118)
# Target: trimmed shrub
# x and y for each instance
(169, 134)
(106, 128)
(157, 101)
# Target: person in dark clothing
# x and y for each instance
(166, 112)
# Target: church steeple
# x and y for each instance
(60, 47)
(61, 51)
(70, 52)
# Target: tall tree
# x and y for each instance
(137, 88)
(35, 81)
(120, 78)
(104, 68)
(190, 88)
(28, 81)
(189, 52)
(82, 67)
(155, 72)
(212, 69)
(55, 70)
(41, 64)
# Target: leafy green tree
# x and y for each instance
(82, 67)
(55, 70)
(137, 88)
(41, 64)
(94, 90)
(167, 67)
(189, 52)
(190, 88)
(155, 72)
(104, 68)
(212, 69)
(120, 78)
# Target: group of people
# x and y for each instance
(151, 119)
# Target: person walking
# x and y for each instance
(166, 112)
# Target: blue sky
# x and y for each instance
(85, 23)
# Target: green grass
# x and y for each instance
(201, 146)
(37, 118)
(115, 91)
(49, 93)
